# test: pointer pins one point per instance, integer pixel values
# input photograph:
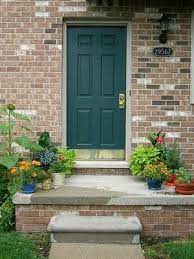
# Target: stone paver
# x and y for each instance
(95, 251)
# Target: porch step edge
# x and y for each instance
(66, 222)
(102, 164)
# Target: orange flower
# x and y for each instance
(34, 162)
(13, 170)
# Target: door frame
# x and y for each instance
(69, 22)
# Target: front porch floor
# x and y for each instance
(105, 190)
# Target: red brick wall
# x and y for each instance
(156, 220)
(31, 65)
(161, 86)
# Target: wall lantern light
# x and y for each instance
(164, 27)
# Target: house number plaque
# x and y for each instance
(162, 52)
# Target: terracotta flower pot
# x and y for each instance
(171, 180)
(184, 188)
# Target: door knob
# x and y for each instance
(121, 101)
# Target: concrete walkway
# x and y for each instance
(95, 251)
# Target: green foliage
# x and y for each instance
(46, 142)
(8, 117)
(25, 142)
(156, 171)
(46, 158)
(25, 172)
(156, 138)
(3, 187)
(7, 215)
(9, 160)
(65, 161)
(17, 246)
(183, 175)
(151, 253)
(14, 184)
(172, 157)
(178, 249)
(142, 156)
(7, 208)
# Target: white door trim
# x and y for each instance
(77, 22)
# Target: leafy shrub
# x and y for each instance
(183, 175)
(172, 157)
(8, 116)
(9, 157)
(7, 215)
(46, 142)
(156, 138)
(142, 156)
(65, 161)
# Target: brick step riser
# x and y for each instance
(105, 171)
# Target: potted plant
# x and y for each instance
(172, 158)
(63, 166)
(46, 157)
(184, 183)
(48, 153)
(156, 173)
(156, 138)
(142, 156)
(44, 180)
(46, 142)
(29, 172)
(170, 155)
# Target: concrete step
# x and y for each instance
(95, 251)
(71, 228)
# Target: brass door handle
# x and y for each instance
(121, 101)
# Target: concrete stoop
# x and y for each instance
(95, 251)
(71, 228)
(94, 237)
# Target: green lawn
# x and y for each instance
(23, 246)
(177, 249)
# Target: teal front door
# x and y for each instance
(96, 79)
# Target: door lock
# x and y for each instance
(121, 101)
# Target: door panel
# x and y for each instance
(84, 84)
(96, 76)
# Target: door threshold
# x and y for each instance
(102, 164)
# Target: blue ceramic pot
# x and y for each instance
(29, 188)
(154, 184)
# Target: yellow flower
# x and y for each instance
(22, 167)
(24, 162)
(33, 174)
(34, 162)
(13, 170)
